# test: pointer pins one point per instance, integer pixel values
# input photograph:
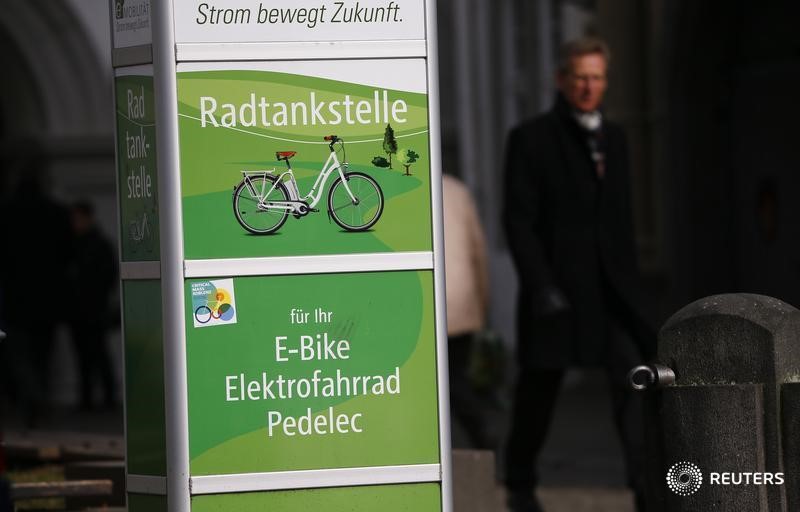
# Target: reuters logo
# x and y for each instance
(684, 478)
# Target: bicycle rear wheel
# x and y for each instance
(363, 212)
(203, 314)
(254, 206)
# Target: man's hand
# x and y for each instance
(549, 301)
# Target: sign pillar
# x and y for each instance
(140, 207)
(301, 256)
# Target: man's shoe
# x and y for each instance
(523, 502)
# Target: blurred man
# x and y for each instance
(92, 274)
(568, 220)
(33, 261)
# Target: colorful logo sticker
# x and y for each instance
(213, 303)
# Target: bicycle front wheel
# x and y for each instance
(254, 204)
(360, 211)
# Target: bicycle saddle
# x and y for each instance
(284, 155)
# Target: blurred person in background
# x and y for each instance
(33, 262)
(467, 286)
(92, 274)
(567, 216)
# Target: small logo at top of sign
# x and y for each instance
(213, 303)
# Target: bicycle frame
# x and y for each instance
(315, 194)
(261, 194)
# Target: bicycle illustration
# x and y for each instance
(140, 231)
(263, 201)
(218, 309)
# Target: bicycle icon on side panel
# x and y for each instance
(262, 201)
(140, 230)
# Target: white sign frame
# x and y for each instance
(170, 46)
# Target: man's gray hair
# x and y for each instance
(578, 48)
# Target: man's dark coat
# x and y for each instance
(571, 233)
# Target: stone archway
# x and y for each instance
(56, 113)
(62, 65)
(55, 98)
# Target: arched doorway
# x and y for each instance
(56, 121)
(55, 102)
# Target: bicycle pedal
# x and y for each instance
(315, 210)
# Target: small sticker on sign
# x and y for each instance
(213, 303)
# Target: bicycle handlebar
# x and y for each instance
(333, 139)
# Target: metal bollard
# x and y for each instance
(722, 407)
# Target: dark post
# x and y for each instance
(733, 408)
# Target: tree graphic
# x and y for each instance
(389, 143)
(379, 161)
(407, 157)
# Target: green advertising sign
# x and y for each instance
(386, 498)
(146, 503)
(311, 372)
(258, 179)
(284, 327)
(136, 167)
(144, 378)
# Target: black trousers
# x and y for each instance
(25, 367)
(5, 496)
(94, 362)
(534, 402)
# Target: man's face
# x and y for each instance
(584, 84)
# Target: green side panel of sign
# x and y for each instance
(213, 158)
(146, 503)
(384, 498)
(136, 168)
(259, 402)
(144, 378)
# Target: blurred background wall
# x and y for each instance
(705, 90)
(56, 98)
(705, 93)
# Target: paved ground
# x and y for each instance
(582, 448)
(475, 490)
(586, 499)
(581, 466)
